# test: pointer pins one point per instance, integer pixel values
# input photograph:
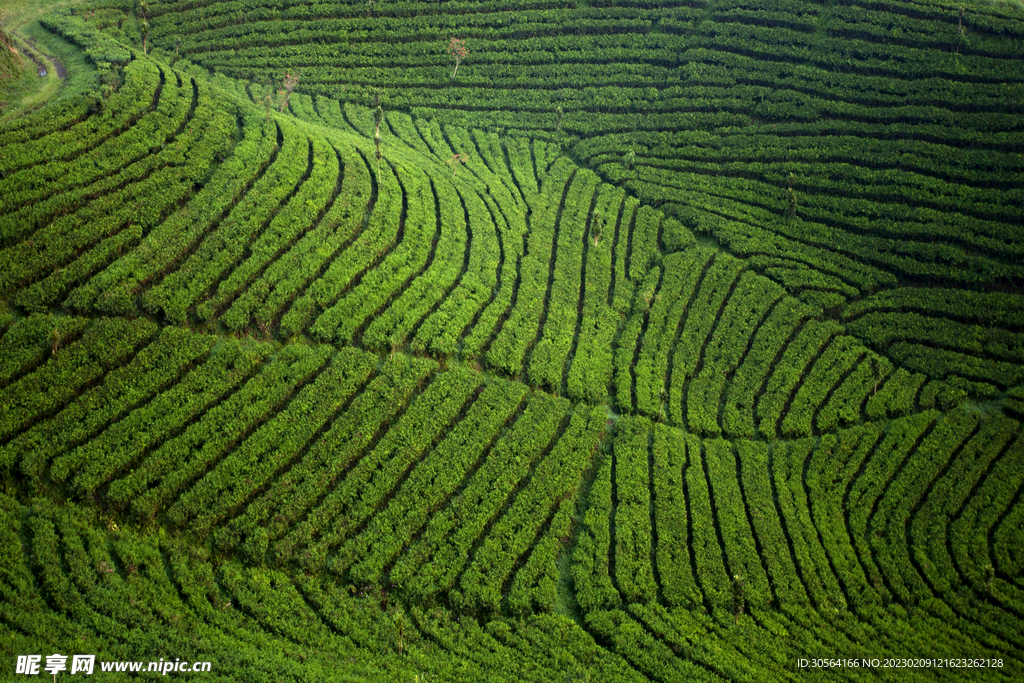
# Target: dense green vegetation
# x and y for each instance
(660, 341)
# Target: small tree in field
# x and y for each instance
(285, 92)
(268, 103)
(378, 118)
(458, 50)
(455, 160)
(793, 203)
(142, 12)
(629, 159)
(739, 596)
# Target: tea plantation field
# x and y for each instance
(542, 340)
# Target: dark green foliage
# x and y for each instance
(324, 392)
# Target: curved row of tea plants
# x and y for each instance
(389, 450)
(297, 453)
(79, 588)
(700, 547)
(842, 148)
(524, 261)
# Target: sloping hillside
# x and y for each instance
(622, 355)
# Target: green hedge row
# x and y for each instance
(509, 348)
(633, 552)
(590, 369)
(630, 335)
(368, 482)
(831, 470)
(167, 471)
(114, 289)
(375, 238)
(56, 117)
(74, 247)
(284, 502)
(129, 103)
(430, 483)
(865, 492)
(223, 247)
(769, 528)
(702, 317)
(749, 582)
(155, 128)
(158, 365)
(682, 274)
(512, 226)
(73, 585)
(437, 281)
(787, 375)
(107, 455)
(302, 213)
(822, 585)
(432, 563)
(419, 227)
(849, 399)
(1003, 519)
(279, 441)
(556, 478)
(287, 276)
(591, 558)
(930, 525)
(841, 356)
(753, 374)
(672, 519)
(547, 362)
(750, 303)
(105, 345)
(29, 341)
(535, 587)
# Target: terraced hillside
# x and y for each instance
(841, 149)
(663, 343)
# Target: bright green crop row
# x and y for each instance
(560, 317)
(633, 552)
(770, 526)
(104, 346)
(224, 246)
(351, 505)
(155, 128)
(278, 442)
(74, 585)
(429, 484)
(419, 227)
(113, 290)
(287, 277)
(435, 282)
(284, 503)
(304, 209)
(555, 478)
(432, 563)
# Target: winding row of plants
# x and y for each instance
(445, 402)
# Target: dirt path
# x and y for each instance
(62, 73)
